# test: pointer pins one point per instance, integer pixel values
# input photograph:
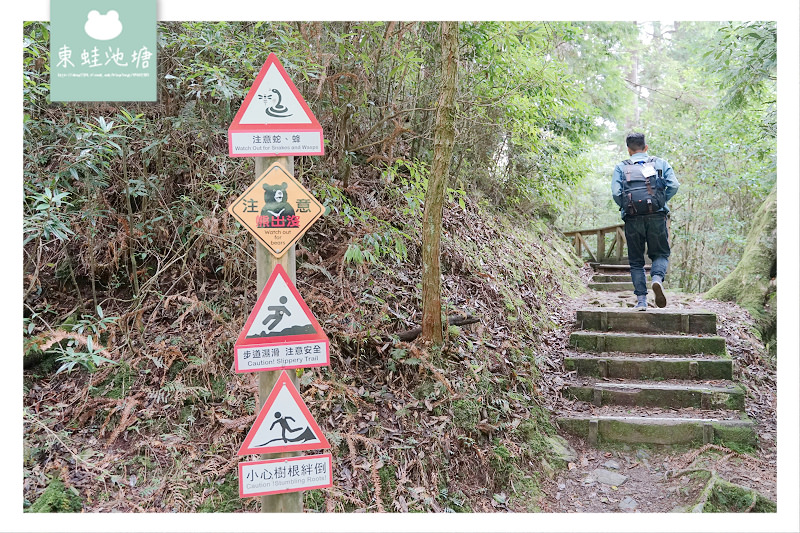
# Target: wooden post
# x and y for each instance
(613, 245)
(578, 244)
(601, 245)
(589, 250)
(291, 502)
(621, 240)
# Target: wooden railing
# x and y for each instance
(579, 241)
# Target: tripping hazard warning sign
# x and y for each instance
(284, 424)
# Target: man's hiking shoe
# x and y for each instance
(641, 303)
(658, 290)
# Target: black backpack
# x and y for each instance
(642, 195)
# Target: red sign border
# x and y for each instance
(287, 460)
(283, 380)
(238, 370)
(235, 126)
(263, 342)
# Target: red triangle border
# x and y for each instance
(237, 127)
(283, 380)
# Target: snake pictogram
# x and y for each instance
(274, 108)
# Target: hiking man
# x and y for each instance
(641, 187)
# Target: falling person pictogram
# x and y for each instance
(305, 436)
(277, 315)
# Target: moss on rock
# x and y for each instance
(751, 282)
(56, 498)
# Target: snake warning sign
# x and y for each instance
(274, 119)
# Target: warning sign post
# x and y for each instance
(273, 124)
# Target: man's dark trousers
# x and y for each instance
(652, 231)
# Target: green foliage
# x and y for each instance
(502, 462)
(96, 326)
(536, 106)
(224, 497)
(45, 219)
(454, 502)
(745, 57)
(466, 413)
(89, 357)
(35, 65)
(57, 499)
(314, 500)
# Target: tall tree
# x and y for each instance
(752, 284)
(444, 137)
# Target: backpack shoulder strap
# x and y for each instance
(627, 169)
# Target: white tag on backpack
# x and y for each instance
(648, 171)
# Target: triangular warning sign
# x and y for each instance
(274, 119)
(284, 424)
(281, 332)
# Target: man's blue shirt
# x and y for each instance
(667, 175)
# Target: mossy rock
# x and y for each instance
(751, 284)
(56, 498)
(561, 450)
(726, 497)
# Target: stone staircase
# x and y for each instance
(657, 377)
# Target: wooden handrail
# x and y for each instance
(607, 229)
(579, 241)
(619, 241)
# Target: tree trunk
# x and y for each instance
(444, 136)
(751, 284)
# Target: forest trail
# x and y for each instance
(651, 401)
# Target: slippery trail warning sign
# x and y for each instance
(277, 210)
(281, 331)
(284, 424)
(274, 119)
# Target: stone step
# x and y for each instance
(612, 287)
(618, 286)
(612, 278)
(644, 344)
(651, 321)
(606, 268)
(649, 394)
(650, 367)
(599, 429)
(614, 261)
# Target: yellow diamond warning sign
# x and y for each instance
(276, 209)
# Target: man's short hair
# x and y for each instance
(635, 141)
